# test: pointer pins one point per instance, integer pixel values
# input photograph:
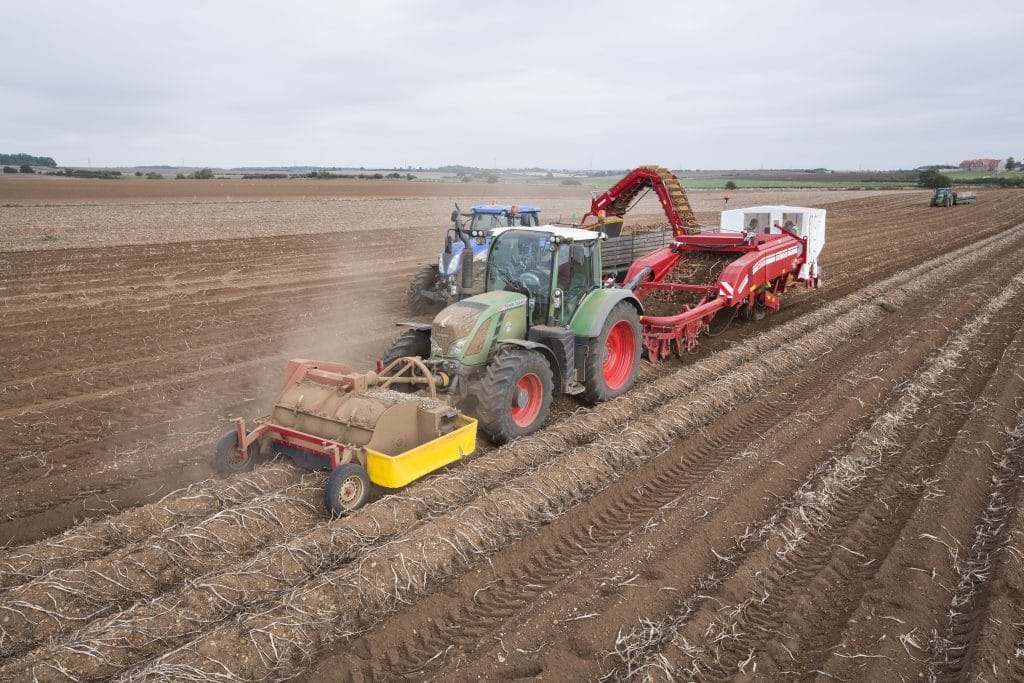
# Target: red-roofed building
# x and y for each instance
(983, 165)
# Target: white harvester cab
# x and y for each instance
(803, 221)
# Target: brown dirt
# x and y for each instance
(766, 508)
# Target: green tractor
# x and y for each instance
(544, 325)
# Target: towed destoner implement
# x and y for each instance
(552, 319)
(358, 425)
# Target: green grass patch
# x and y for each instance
(978, 175)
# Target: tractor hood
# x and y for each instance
(466, 330)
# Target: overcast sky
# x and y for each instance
(871, 85)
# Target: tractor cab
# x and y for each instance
(490, 217)
(553, 266)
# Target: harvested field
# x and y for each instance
(833, 492)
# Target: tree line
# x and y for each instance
(26, 160)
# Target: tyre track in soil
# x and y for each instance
(308, 546)
(310, 600)
(101, 487)
(35, 466)
(745, 611)
(950, 505)
(784, 623)
(166, 581)
(458, 627)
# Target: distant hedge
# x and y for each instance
(1009, 181)
(104, 173)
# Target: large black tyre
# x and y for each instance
(409, 343)
(228, 460)
(613, 357)
(514, 396)
(426, 278)
(347, 489)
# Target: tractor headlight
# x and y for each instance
(456, 348)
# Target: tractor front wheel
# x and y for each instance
(514, 396)
(426, 279)
(409, 343)
(613, 357)
(228, 459)
(347, 489)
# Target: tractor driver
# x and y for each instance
(571, 265)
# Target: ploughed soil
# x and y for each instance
(832, 492)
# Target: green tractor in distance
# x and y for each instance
(944, 196)
(545, 324)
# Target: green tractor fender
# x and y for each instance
(549, 356)
(419, 327)
(595, 307)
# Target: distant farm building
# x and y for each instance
(983, 165)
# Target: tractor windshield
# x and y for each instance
(489, 221)
(522, 260)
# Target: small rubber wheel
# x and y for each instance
(347, 489)
(227, 459)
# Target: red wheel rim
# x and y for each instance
(620, 350)
(527, 399)
(351, 489)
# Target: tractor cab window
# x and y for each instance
(527, 220)
(757, 222)
(521, 261)
(576, 275)
(488, 221)
(795, 222)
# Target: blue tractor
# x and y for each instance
(437, 285)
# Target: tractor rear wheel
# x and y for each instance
(227, 459)
(514, 396)
(613, 357)
(347, 489)
(425, 279)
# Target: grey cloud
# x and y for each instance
(534, 83)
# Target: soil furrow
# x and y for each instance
(424, 553)
(630, 513)
(697, 636)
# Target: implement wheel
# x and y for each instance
(515, 395)
(425, 279)
(613, 357)
(227, 459)
(347, 489)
